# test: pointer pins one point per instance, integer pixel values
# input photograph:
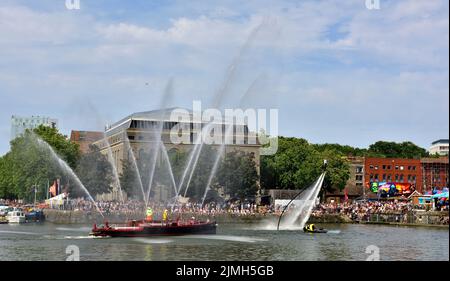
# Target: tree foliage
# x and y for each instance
(95, 172)
(238, 175)
(405, 149)
(28, 164)
(297, 164)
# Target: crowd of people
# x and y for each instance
(135, 206)
(355, 211)
(363, 210)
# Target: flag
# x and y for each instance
(58, 187)
(52, 189)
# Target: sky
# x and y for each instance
(337, 72)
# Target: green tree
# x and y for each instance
(68, 150)
(405, 149)
(95, 172)
(341, 149)
(238, 175)
(338, 170)
(28, 163)
(297, 164)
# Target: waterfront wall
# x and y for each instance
(414, 218)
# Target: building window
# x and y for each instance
(384, 167)
(371, 167)
(359, 169)
(396, 177)
(389, 177)
(389, 167)
(359, 184)
(396, 167)
(358, 178)
(376, 167)
(401, 168)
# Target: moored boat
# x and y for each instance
(16, 216)
(3, 220)
(154, 228)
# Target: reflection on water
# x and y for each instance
(233, 242)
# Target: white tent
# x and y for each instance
(58, 200)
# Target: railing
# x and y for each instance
(409, 218)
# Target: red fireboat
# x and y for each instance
(144, 228)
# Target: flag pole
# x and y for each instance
(35, 191)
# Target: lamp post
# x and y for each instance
(35, 191)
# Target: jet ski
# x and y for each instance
(311, 228)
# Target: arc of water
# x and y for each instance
(192, 162)
(230, 74)
(310, 195)
(152, 169)
(311, 203)
(169, 167)
(191, 174)
(195, 155)
(216, 161)
(66, 167)
(113, 166)
(157, 135)
(136, 168)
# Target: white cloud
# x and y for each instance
(379, 59)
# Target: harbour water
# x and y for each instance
(233, 241)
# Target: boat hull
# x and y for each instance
(16, 220)
(146, 230)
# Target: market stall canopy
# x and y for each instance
(440, 195)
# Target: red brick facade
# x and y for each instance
(85, 138)
(435, 173)
(393, 170)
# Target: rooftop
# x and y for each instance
(153, 115)
(440, 141)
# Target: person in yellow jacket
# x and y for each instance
(165, 215)
(149, 214)
(310, 227)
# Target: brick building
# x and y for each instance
(435, 173)
(85, 138)
(393, 170)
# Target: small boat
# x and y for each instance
(155, 228)
(3, 220)
(16, 216)
(34, 216)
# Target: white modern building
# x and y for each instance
(19, 124)
(440, 147)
